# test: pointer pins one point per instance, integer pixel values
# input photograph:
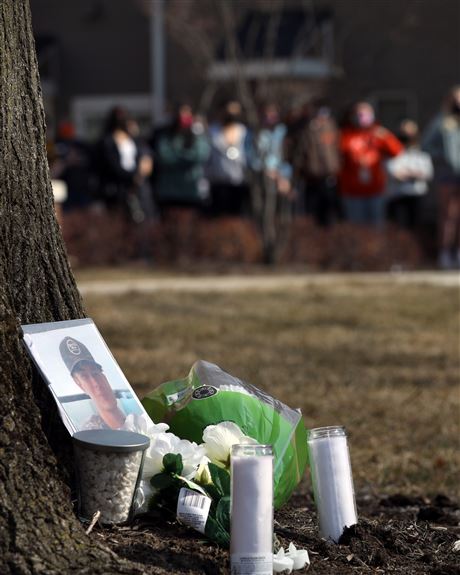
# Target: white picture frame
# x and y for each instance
(88, 385)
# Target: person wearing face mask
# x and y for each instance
(180, 151)
(442, 141)
(408, 177)
(364, 147)
(180, 189)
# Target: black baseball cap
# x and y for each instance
(73, 352)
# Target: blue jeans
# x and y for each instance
(365, 211)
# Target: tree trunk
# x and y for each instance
(39, 532)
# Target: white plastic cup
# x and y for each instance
(251, 536)
(332, 479)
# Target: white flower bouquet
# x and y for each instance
(190, 480)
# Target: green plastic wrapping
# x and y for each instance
(209, 395)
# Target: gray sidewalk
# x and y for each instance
(263, 282)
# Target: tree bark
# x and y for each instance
(39, 532)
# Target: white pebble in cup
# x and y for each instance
(109, 464)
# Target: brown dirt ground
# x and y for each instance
(398, 534)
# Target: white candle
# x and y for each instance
(251, 539)
(332, 480)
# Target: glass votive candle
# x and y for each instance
(109, 466)
(332, 480)
(251, 534)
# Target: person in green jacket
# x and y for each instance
(180, 151)
(180, 189)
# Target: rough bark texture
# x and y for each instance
(38, 529)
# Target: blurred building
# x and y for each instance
(96, 53)
(91, 55)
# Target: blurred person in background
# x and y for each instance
(121, 166)
(318, 163)
(58, 186)
(408, 177)
(267, 153)
(364, 147)
(181, 150)
(141, 201)
(442, 142)
(296, 120)
(226, 168)
(72, 165)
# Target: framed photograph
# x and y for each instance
(87, 383)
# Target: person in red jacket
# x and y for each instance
(364, 147)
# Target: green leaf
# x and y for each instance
(214, 494)
(221, 479)
(215, 531)
(162, 481)
(172, 462)
(191, 484)
(223, 512)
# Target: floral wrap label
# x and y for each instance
(251, 564)
(193, 509)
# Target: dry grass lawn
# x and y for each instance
(383, 360)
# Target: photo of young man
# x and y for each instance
(90, 377)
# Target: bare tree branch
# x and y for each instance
(244, 92)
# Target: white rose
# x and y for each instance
(192, 454)
(218, 440)
(203, 475)
(165, 443)
(162, 444)
(143, 424)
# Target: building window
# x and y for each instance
(392, 107)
